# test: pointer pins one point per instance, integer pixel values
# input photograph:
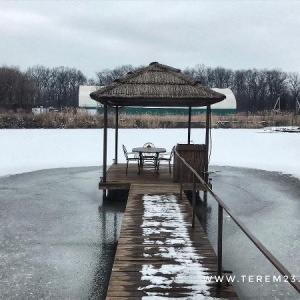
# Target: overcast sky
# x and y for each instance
(93, 35)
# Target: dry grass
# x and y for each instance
(78, 118)
(239, 120)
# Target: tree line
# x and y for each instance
(255, 90)
(40, 86)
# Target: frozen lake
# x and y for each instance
(24, 150)
(59, 240)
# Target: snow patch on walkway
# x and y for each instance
(165, 228)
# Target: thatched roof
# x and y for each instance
(157, 85)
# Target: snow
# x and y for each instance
(25, 150)
(185, 265)
(258, 149)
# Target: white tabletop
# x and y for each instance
(149, 150)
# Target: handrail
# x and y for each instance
(275, 262)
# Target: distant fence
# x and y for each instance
(221, 207)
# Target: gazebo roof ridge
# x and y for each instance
(154, 66)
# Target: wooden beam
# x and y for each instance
(189, 124)
(114, 185)
(207, 136)
(105, 142)
(116, 134)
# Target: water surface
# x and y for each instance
(58, 239)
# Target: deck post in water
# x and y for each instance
(116, 134)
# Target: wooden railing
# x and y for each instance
(221, 207)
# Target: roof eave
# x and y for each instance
(149, 101)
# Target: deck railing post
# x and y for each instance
(194, 200)
(220, 240)
(181, 177)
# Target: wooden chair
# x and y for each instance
(167, 156)
(130, 156)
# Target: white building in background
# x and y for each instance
(85, 101)
(227, 106)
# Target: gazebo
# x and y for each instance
(155, 85)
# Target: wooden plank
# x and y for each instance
(117, 178)
(114, 185)
(136, 250)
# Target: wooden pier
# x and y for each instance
(159, 254)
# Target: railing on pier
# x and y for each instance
(221, 207)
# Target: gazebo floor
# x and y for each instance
(117, 178)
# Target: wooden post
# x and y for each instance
(116, 135)
(189, 124)
(181, 178)
(207, 133)
(194, 201)
(105, 142)
(220, 241)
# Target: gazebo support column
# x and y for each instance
(206, 158)
(104, 146)
(189, 124)
(116, 135)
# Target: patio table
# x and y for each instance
(148, 150)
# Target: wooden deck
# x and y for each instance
(159, 253)
(117, 178)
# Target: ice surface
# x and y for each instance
(24, 150)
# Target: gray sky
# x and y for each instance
(93, 35)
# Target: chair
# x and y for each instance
(130, 156)
(167, 156)
(149, 144)
(149, 158)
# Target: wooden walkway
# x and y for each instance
(159, 254)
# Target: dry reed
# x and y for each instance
(79, 118)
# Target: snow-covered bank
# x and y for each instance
(258, 149)
(24, 150)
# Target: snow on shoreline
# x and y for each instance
(25, 150)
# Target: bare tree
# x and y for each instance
(276, 86)
(239, 89)
(107, 76)
(199, 72)
(41, 76)
(223, 78)
(58, 86)
(293, 79)
(16, 89)
(255, 89)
